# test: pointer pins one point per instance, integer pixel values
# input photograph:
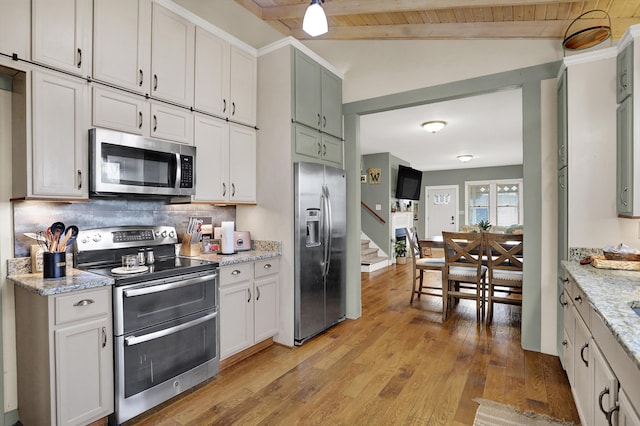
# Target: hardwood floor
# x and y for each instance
(396, 365)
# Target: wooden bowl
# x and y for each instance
(626, 257)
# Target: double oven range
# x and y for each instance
(165, 319)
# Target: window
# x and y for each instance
(499, 202)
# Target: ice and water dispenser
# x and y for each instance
(312, 220)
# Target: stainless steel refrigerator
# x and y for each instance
(320, 248)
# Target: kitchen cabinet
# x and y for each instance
(562, 120)
(172, 56)
(61, 34)
(317, 96)
(122, 43)
(567, 333)
(226, 161)
(65, 371)
(627, 416)
(248, 304)
(59, 136)
(624, 73)
(117, 110)
(625, 182)
(225, 79)
(15, 28)
(312, 145)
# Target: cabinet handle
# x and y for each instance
(236, 272)
(623, 78)
(561, 301)
(155, 123)
(155, 82)
(319, 149)
(104, 337)
(585, 346)
(141, 78)
(140, 121)
(622, 200)
(233, 189)
(564, 342)
(224, 105)
(324, 121)
(607, 413)
(267, 266)
(324, 149)
(249, 291)
(224, 189)
(79, 179)
(257, 293)
(79, 58)
(578, 299)
(319, 119)
(84, 302)
(233, 108)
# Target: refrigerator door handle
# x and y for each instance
(328, 229)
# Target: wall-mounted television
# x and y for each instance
(409, 183)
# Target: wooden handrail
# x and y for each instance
(380, 218)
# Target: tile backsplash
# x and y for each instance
(33, 216)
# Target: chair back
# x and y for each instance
(462, 249)
(412, 240)
(504, 251)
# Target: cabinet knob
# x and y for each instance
(578, 299)
(564, 342)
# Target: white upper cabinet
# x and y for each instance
(242, 164)
(211, 138)
(122, 43)
(15, 28)
(61, 34)
(172, 56)
(225, 79)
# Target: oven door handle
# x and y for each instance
(150, 289)
(134, 340)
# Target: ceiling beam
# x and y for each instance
(337, 7)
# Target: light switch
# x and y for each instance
(378, 207)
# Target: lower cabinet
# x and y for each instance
(65, 367)
(248, 304)
(627, 415)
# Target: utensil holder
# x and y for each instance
(54, 265)
(187, 248)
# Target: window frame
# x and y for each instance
(493, 198)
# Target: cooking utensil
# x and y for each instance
(57, 228)
(69, 237)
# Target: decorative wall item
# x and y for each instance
(375, 176)
(441, 199)
(363, 178)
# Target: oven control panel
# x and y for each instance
(124, 237)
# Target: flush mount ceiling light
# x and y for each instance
(464, 158)
(433, 126)
(315, 21)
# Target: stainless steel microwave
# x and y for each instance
(125, 164)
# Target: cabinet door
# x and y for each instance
(59, 136)
(211, 73)
(236, 318)
(307, 142)
(266, 308)
(605, 387)
(563, 134)
(627, 415)
(172, 40)
(211, 139)
(243, 87)
(84, 371)
(122, 42)
(624, 173)
(307, 91)
(15, 28)
(332, 150)
(61, 34)
(624, 73)
(582, 375)
(331, 103)
(171, 123)
(242, 164)
(563, 217)
(120, 111)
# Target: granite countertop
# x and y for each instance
(611, 293)
(74, 280)
(239, 257)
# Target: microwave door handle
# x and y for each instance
(135, 340)
(178, 171)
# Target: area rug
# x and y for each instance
(491, 413)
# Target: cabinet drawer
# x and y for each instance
(80, 305)
(236, 273)
(267, 267)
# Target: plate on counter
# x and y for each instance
(121, 270)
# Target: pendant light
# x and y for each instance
(315, 21)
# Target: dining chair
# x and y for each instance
(464, 274)
(421, 264)
(504, 261)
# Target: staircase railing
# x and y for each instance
(380, 218)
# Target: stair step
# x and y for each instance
(365, 243)
(372, 260)
(367, 252)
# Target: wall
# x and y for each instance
(459, 177)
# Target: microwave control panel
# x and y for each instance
(186, 167)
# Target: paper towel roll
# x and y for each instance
(227, 237)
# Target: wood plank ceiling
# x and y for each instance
(447, 19)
